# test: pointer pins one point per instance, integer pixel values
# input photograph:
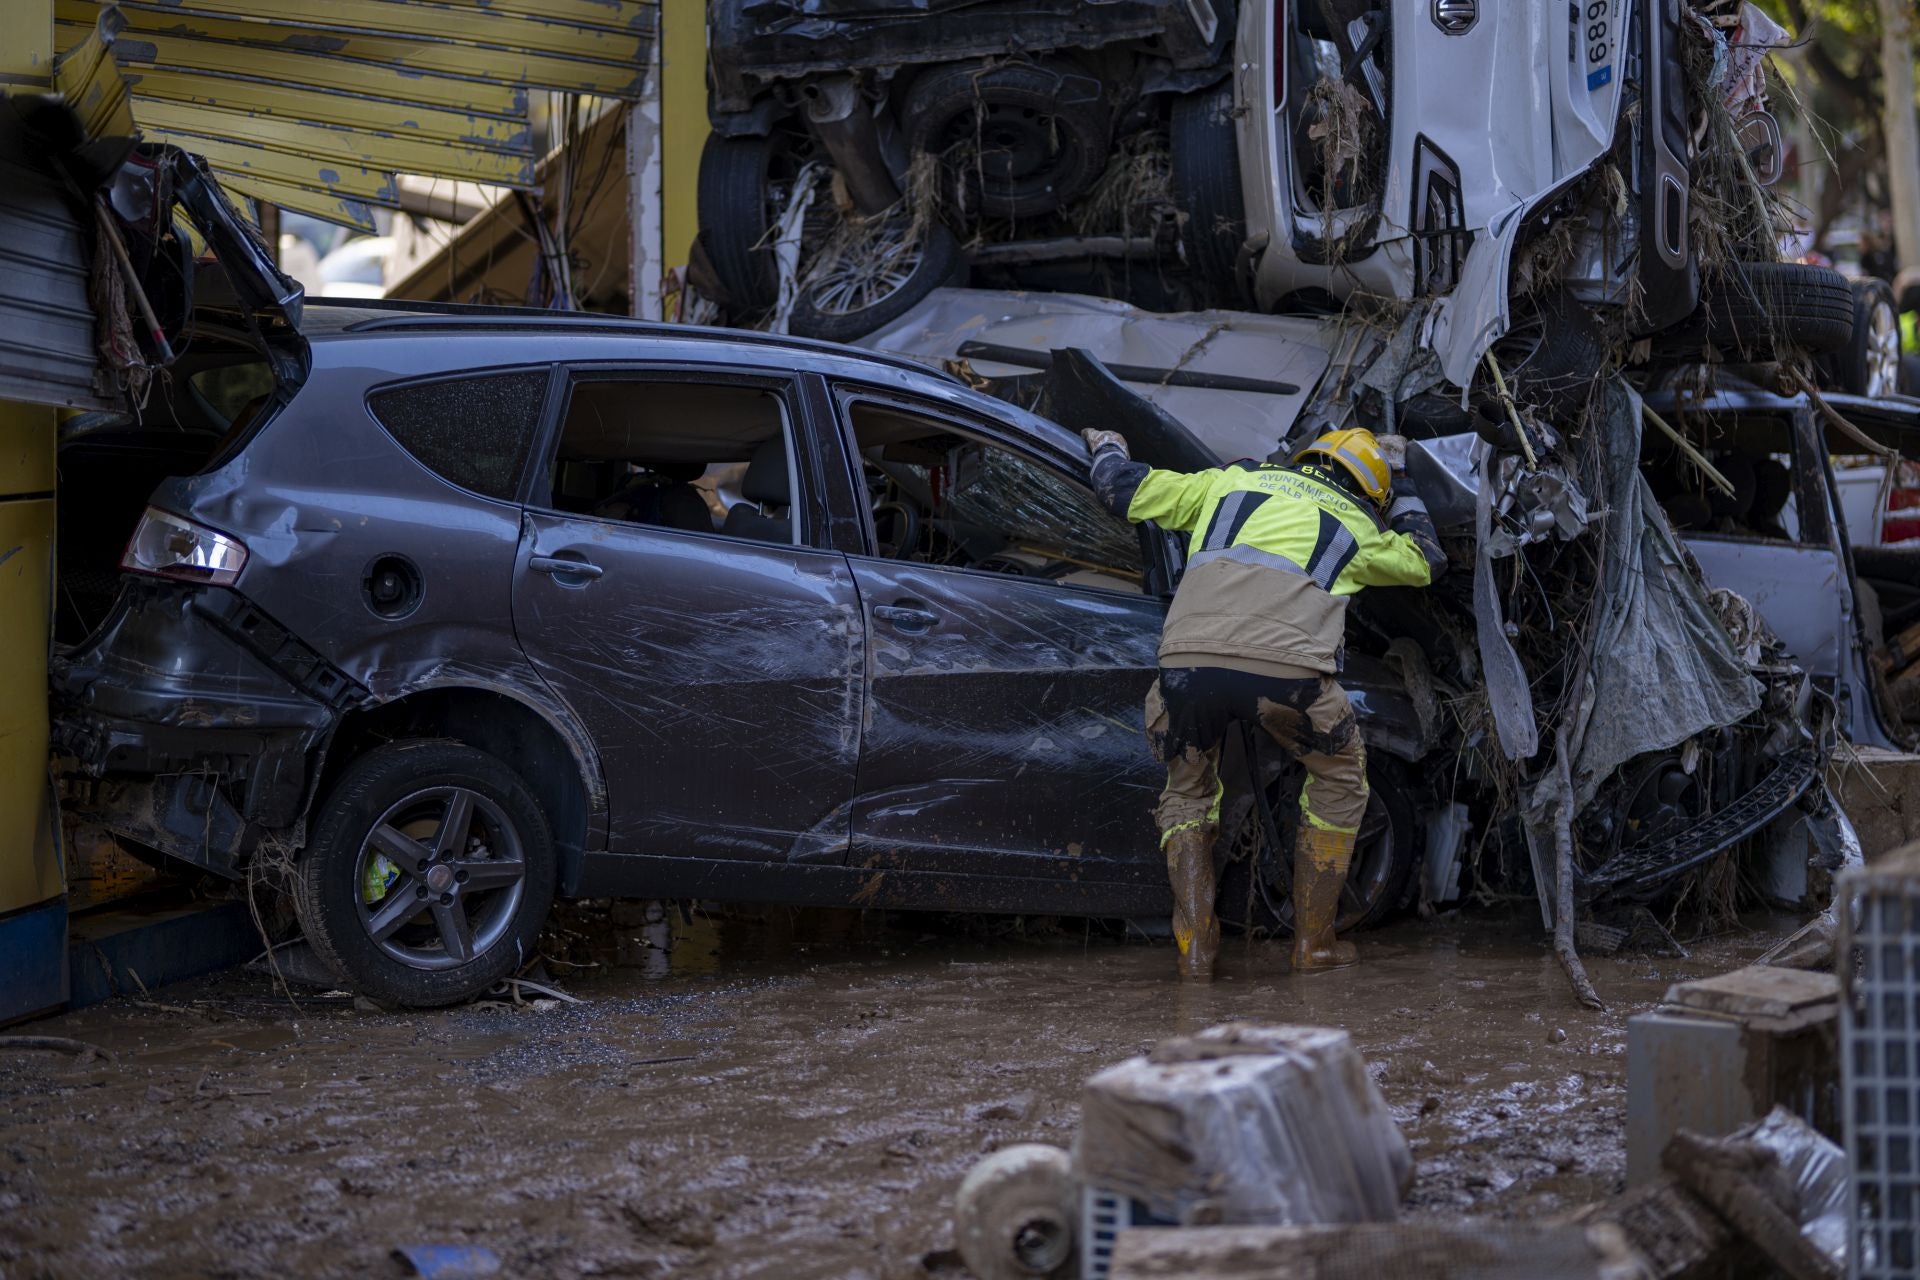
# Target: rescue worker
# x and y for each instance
(1255, 634)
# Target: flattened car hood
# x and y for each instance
(1236, 380)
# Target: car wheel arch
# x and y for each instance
(551, 752)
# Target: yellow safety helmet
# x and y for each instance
(1359, 453)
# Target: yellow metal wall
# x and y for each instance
(29, 867)
(26, 46)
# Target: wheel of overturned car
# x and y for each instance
(1869, 364)
(864, 273)
(1024, 138)
(742, 186)
(1206, 186)
(428, 874)
(1255, 887)
(1551, 354)
(1763, 310)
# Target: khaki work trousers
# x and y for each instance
(1191, 709)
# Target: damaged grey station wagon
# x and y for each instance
(443, 615)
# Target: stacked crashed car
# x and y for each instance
(439, 616)
(1274, 157)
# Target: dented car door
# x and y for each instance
(1004, 712)
(717, 667)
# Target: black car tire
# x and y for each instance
(736, 223)
(1206, 185)
(1869, 363)
(1378, 881)
(1056, 135)
(328, 886)
(940, 262)
(1910, 375)
(1551, 355)
(1754, 309)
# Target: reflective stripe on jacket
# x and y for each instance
(1274, 552)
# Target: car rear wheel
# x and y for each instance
(1755, 309)
(865, 274)
(1256, 887)
(742, 181)
(1869, 364)
(1206, 185)
(429, 873)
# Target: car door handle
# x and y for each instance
(906, 616)
(564, 567)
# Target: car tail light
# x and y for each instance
(1902, 520)
(1282, 44)
(170, 546)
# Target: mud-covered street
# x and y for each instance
(799, 1097)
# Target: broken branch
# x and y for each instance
(1839, 422)
(1685, 446)
(1513, 410)
(57, 1044)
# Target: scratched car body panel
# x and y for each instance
(753, 619)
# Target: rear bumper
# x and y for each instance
(200, 717)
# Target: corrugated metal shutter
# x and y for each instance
(318, 110)
(46, 322)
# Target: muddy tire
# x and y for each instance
(428, 875)
(1760, 310)
(1551, 356)
(1026, 138)
(1206, 185)
(1869, 364)
(1385, 856)
(839, 302)
(736, 223)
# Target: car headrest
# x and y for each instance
(677, 472)
(766, 478)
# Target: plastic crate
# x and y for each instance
(1880, 1066)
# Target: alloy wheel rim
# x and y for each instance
(1883, 352)
(449, 871)
(865, 271)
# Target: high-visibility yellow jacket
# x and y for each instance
(1274, 553)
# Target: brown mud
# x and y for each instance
(799, 1097)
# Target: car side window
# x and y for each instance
(941, 494)
(473, 430)
(699, 457)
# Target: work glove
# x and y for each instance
(1098, 440)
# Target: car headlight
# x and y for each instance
(170, 546)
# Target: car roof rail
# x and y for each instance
(443, 316)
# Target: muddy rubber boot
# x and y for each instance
(1320, 861)
(1196, 931)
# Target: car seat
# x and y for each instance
(766, 484)
(663, 495)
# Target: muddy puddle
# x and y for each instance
(793, 1096)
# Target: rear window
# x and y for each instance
(473, 431)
